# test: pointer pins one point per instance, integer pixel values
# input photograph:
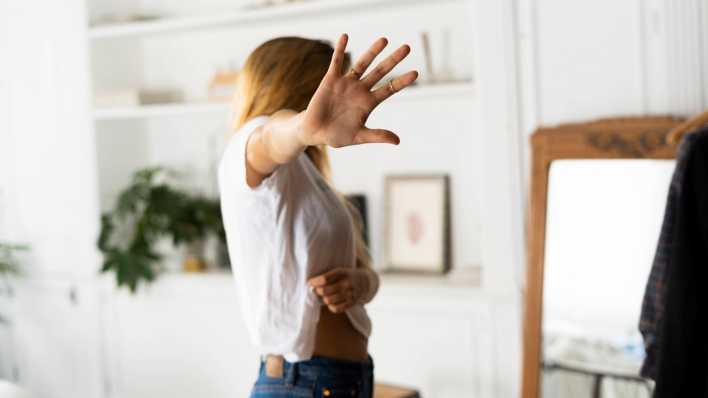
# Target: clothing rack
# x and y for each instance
(598, 376)
(675, 135)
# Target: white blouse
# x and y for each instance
(286, 230)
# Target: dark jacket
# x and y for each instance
(681, 368)
(652, 313)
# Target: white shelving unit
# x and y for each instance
(245, 16)
(139, 37)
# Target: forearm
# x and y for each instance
(370, 282)
(277, 142)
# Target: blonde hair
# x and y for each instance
(284, 73)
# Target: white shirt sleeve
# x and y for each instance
(232, 169)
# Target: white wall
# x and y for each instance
(704, 33)
(5, 143)
(52, 159)
(585, 60)
(49, 156)
(589, 59)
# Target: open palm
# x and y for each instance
(337, 114)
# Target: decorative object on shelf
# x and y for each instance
(269, 3)
(417, 223)
(443, 73)
(147, 210)
(222, 85)
(430, 71)
(114, 19)
(194, 259)
(133, 97)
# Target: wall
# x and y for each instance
(586, 60)
(48, 154)
(704, 33)
(52, 158)
(5, 143)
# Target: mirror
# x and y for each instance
(602, 224)
(598, 193)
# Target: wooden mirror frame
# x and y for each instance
(618, 138)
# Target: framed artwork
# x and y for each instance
(417, 224)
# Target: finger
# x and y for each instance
(335, 65)
(396, 85)
(336, 299)
(339, 308)
(368, 57)
(327, 278)
(376, 136)
(331, 289)
(386, 66)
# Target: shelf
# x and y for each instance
(155, 110)
(244, 17)
(395, 290)
(449, 91)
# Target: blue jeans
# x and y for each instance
(316, 378)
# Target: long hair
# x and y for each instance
(284, 73)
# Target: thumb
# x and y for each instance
(326, 278)
(376, 136)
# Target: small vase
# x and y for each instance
(194, 259)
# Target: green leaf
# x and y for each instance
(152, 209)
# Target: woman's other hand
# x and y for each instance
(337, 114)
(340, 288)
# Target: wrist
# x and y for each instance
(303, 134)
(369, 284)
(282, 136)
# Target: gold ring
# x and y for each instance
(390, 86)
(355, 72)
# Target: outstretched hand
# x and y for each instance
(337, 114)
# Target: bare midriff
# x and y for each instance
(337, 338)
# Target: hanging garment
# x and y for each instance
(673, 318)
(653, 304)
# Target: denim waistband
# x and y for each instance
(329, 367)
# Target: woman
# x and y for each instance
(302, 269)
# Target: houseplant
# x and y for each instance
(149, 209)
(9, 266)
(8, 261)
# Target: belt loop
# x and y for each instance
(291, 376)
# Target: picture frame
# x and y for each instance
(417, 224)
